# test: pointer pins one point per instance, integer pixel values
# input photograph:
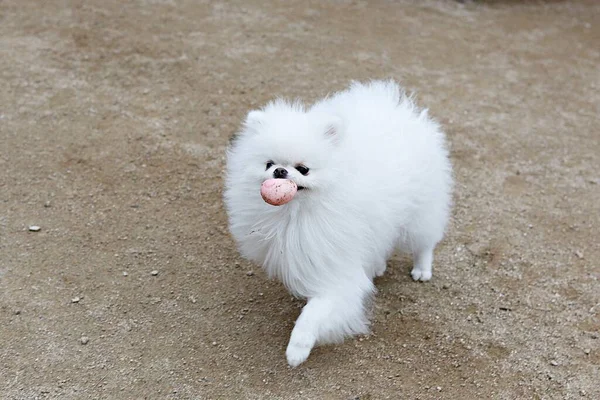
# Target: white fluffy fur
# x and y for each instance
(379, 179)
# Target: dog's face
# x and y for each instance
(283, 141)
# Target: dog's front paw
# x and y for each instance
(299, 348)
(296, 355)
(420, 275)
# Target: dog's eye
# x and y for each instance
(270, 164)
(302, 169)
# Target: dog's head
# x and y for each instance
(284, 141)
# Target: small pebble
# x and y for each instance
(154, 273)
(75, 300)
(579, 254)
(582, 392)
(214, 343)
(125, 273)
(439, 388)
(587, 351)
(34, 228)
(18, 312)
(47, 204)
(554, 363)
(84, 340)
(250, 273)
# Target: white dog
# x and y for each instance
(373, 175)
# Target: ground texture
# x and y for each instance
(114, 119)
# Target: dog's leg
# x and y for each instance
(330, 317)
(422, 260)
(306, 331)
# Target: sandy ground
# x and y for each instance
(114, 119)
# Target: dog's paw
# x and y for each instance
(296, 355)
(420, 275)
(299, 348)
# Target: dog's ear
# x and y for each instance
(334, 127)
(255, 118)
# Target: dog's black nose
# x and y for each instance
(280, 173)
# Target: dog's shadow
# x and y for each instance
(397, 271)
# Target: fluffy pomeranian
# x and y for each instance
(372, 175)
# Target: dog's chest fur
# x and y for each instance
(297, 246)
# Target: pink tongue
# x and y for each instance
(278, 191)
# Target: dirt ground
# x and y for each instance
(114, 120)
